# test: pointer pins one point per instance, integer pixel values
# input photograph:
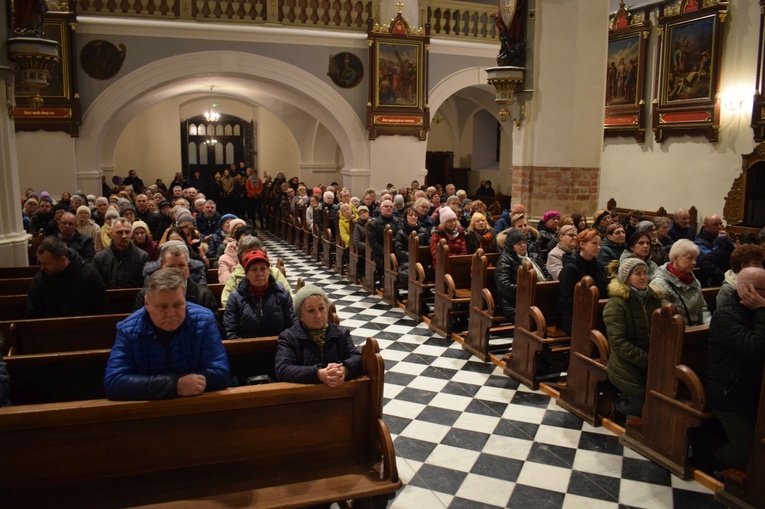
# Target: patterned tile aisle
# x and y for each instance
(467, 436)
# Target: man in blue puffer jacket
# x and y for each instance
(167, 349)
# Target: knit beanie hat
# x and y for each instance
(83, 208)
(398, 200)
(187, 218)
(225, 218)
(601, 215)
(140, 224)
(112, 212)
(304, 293)
(445, 214)
(514, 236)
(627, 266)
(364, 208)
(235, 223)
(644, 226)
(550, 214)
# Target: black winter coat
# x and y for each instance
(298, 357)
(734, 366)
(248, 316)
(574, 269)
(506, 277)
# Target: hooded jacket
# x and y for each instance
(628, 326)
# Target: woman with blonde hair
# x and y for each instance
(86, 226)
(480, 235)
(675, 278)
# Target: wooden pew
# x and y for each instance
(328, 240)
(486, 318)
(746, 490)
(391, 286)
(49, 335)
(370, 267)
(537, 343)
(122, 300)
(297, 225)
(15, 286)
(587, 392)
(676, 357)
(452, 288)
(17, 272)
(650, 215)
(420, 284)
(316, 249)
(246, 446)
(79, 375)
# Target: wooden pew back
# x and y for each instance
(255, 444)
(420, 263)
(676, 357)
(452, 287)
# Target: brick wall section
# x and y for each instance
(566, 189)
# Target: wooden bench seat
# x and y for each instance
(650, 215)
(420, 285)
(79, 375)
(254, 446)
(675, 398)
(587, 392)
(486, 318)
(538, 346)
(452, 288)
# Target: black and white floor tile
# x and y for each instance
(467, 436)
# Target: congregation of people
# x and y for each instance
(163, 239)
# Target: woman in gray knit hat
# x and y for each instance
(315, 350)
(627, 317)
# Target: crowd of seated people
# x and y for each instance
(636, 263)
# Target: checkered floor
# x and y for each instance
(468, 436)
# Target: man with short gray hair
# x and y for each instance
(174, 256)
(169, 348)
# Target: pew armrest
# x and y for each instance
(538, 322)
(601, 343)
(695, 387)
(390, 470)
(393, 262)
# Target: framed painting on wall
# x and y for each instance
(686, 98)
(625, 75)
(398, 102)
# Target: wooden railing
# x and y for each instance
(448, 18)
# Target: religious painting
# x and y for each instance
(688, 60)
(101, 59)
(398, 97)
(688, 68)
(397, 74)
(345, 70)
(625, 74)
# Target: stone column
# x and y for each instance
(557, 151)
(13, 238)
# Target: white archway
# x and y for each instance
(112, 110)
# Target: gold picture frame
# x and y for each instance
(398, 97)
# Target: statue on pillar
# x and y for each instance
(29, 17)
(510, 21)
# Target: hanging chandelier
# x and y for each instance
(212, 115)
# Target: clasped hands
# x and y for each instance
(191, 385)
(333, 375)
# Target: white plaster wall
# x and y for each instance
(46, 162)
(685, 171)
(277, 149)
(396, 159)
(151, 143)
